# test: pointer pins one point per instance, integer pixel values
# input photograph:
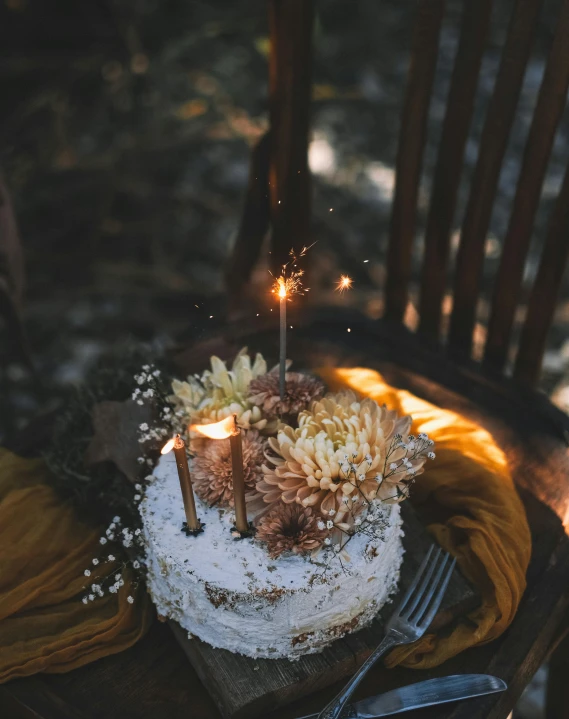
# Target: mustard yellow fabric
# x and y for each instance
(475, 512)
(44, 550)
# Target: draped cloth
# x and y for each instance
(44, 551)
(472, 508)
(466, 493)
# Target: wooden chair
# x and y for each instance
(154, 679)
(522, 419)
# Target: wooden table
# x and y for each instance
(154, 680)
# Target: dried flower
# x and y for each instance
(221, 392)
(300, 391)
(130, 600)
(290, 528)
(309, 466)
(212, 472)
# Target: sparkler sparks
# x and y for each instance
(344, 283)
(290, 280)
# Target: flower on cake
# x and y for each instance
(221, 392)
(344, 453)
(212, 474)
(300, 391)
(290, 528)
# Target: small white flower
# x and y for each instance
(149, 393)
(111, 537)
(411, 445)
(393, 466)
(95, 561)
(156, 373)
(137, 532)
(146, 367)
(116, 519)
(116, 585)
(368, 458)
(345, 500)
(379, 477)
(431, 455)
(85, 600)
(112, 589)
(329, 524)
(91, 597)
(111, 557)
(149, 477)
(138, 486)
(321, 525)
(136, 497)
(130, 600)
(87, 572)
(140, 460)
(355, 499)
(336, 547)
(332, 512)
(361, 477)
(357, 522)
(328, 541)
(103, 540)
(117, 577)
(139, 379)
(139, 401)
(412, 471)
(136, 564)
(143, 427)
(431, 442)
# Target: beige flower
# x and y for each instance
(300, 391)
(290, 528)
(221, 392)
(212, 475)
(344, 453)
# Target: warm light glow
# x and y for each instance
(290, 280)
(175, 443)
(282, 287)
(168, 447)
(216, 430)
(344, 283)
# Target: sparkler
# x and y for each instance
(344, 283)
(288, 283)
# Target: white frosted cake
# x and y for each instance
(299, 493)
(233, 595)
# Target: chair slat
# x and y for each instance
(548, 111)
(290, 86)
(485, 182)
(424, 53)
(474, 29)
(254, 221)
(545, 290)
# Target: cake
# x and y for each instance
(323, 478)
(233, 595)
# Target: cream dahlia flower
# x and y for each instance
(221, 392)
(344, 453)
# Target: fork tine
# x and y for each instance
(420, 593)
(430, 590)
(431, 610)
(415, 581)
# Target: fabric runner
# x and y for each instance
(467, 491)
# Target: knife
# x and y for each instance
(423, 694)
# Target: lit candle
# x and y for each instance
(238, 478)
(228, 429)
(193, 524)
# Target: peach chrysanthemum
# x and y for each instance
(300, 391)
(290, 528)
(212, 474)
(344, 453)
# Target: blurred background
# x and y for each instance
(125, 134)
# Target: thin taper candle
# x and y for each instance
(241, 523)
(282, 356)
(186, 484)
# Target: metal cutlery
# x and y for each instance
(422, 694)
(408, 622)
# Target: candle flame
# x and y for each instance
(216, 430)
(175, 442)
(344, 283)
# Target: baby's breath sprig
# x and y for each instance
(127, 543)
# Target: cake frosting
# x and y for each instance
(233, 595)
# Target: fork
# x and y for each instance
(408, 622)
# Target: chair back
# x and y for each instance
(287, 201)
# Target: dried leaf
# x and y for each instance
(116, 426)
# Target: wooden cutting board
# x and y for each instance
(244, 687)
